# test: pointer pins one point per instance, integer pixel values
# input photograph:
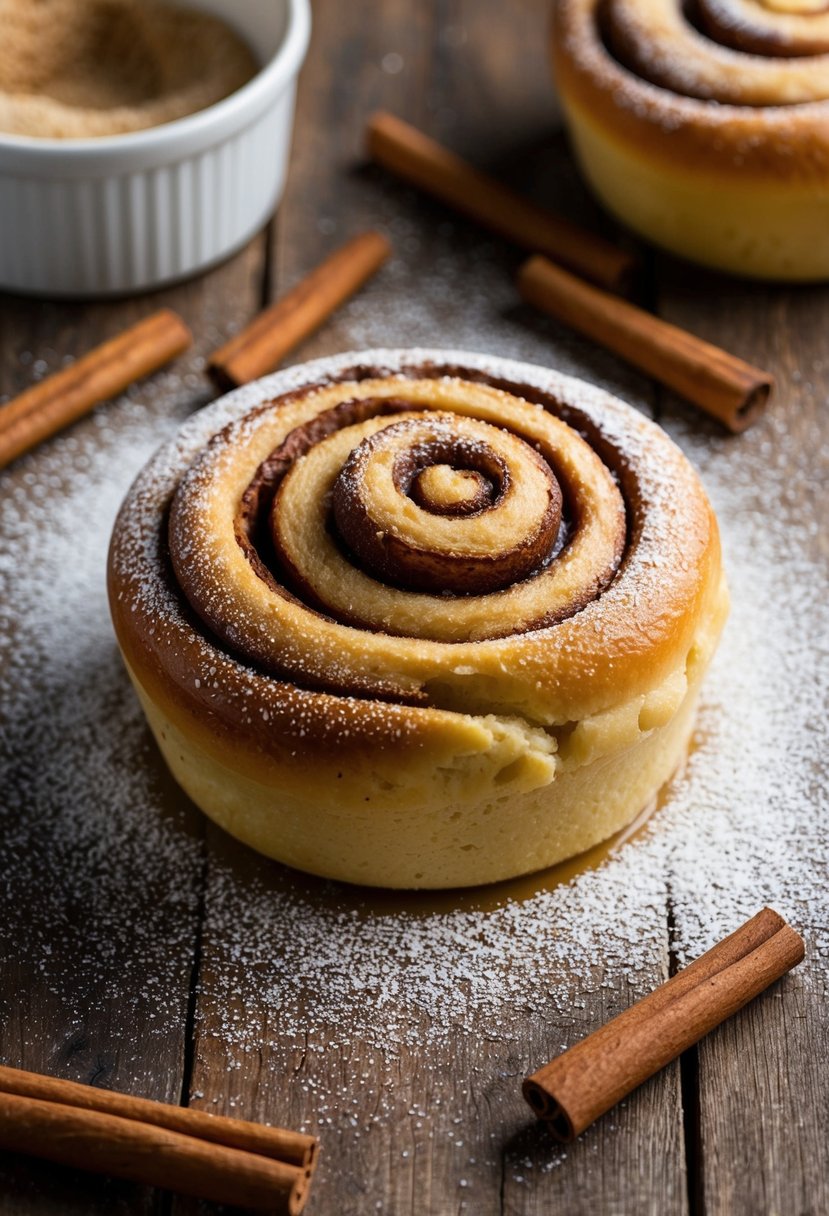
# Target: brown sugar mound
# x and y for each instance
(72, 69)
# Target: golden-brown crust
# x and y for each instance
(780, 144)
(639, 631)
(436, 763)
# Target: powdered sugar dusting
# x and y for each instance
(740, 828)
(98, 865)
(111, 850)
(543, 675)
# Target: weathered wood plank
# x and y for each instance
(418, 1117)
(410, 1073)
(102, 856)
(764, 1084)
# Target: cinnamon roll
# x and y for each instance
(418, 619)
(705, 126)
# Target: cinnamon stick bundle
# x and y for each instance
(261, 346)
(208, 1156)
(424, 163)
(46, 408)
(727, 388)
(587, 1080)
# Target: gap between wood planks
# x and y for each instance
(193, 989)
(267, 287)
(689, 1094)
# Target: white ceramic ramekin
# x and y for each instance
(129, 212)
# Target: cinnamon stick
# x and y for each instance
(151, 1155)
(424, 163)
(46, 408)
(276, 1142)
(587, 1080)
(261, 346)
(722, 385)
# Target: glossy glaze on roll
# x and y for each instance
(419, 619)
(705, 127)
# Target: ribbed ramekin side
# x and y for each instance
(133, 230)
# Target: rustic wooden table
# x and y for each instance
(144, 950)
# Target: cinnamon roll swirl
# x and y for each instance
(418, 619)
(705, 126)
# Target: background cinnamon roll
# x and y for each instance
(421, 619)
(705, 126)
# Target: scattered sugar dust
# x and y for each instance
(102, 860)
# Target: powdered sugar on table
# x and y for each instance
(116, 853)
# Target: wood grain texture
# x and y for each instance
(405, 1129)
(439, 1129)
(96, 959)
(763, 1109)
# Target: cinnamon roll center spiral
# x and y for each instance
(390, 514)
(447, 504)
(446, 491)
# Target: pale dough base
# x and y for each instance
(777, 230)
(493, 826)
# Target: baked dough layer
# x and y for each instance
(483, 759)
(503, 808)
